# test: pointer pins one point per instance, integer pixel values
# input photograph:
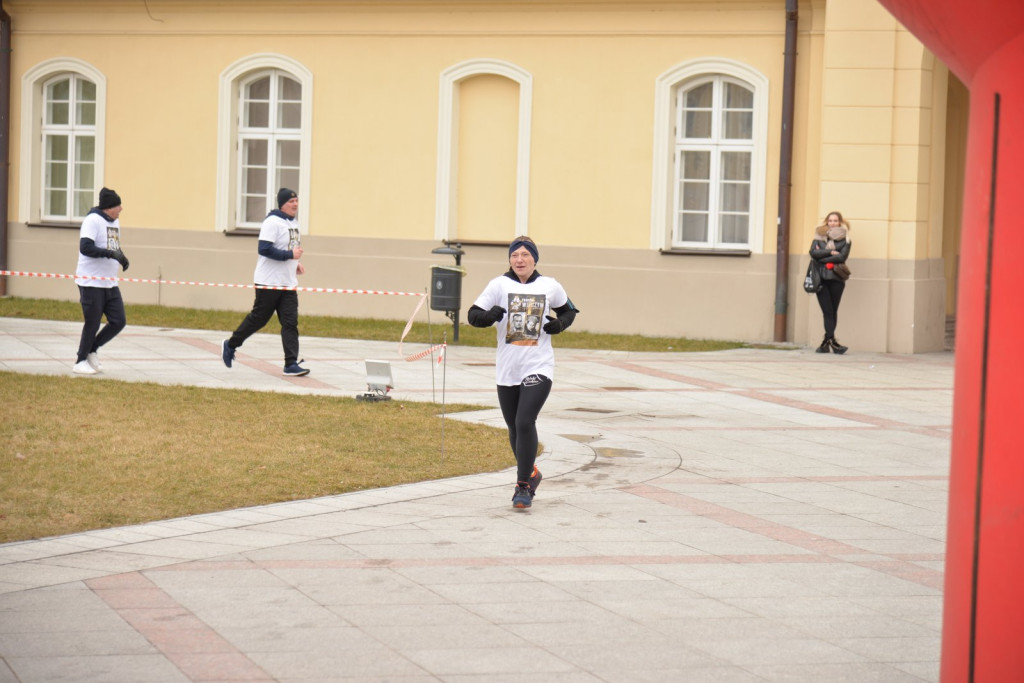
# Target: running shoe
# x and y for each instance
(227, 353)
(534, 482)
(522, 498)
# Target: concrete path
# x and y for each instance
(748, 515)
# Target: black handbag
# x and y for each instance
(812, 280)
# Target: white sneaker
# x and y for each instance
(82, 367)
(94, 362)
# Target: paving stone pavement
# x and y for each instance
(746, 515)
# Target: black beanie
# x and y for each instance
(109, 199)
(283, 195)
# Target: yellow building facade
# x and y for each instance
(638, 143)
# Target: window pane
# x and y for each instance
(56, 148)
(57, 113)
(85, 148)
(58, 95)
(735, 197)
(56, 203)
(83, 202)
(256, 181)
(84, 176)
(695, 227)
(695, 196)
(739, 125)
(85, 114)
(257, 103)
(700, 97)
(697, 165)
(738, 97)
(259, 89)
(698, 124)
(255, 152)
(736, 165)
(735, 228)
(290, 89)
(255, 209)
(57, 175)
(289, 115)
(288, 153)
(59, 90)
(257, 115)
(85, 102)
(85, 91)
(288, 177)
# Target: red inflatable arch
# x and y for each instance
(982, 42)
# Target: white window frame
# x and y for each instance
(272, 133)
(30, 194)
(232, 79)
(664, 179)
(447, 141)
(716, 144)
(71, 131)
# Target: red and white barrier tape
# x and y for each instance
(326, 290)
(322, 290)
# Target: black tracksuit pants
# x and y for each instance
(269, 301)
(97, 302)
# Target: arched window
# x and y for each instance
(714, 149)
(264, 138)
(62, 141)
(268, 141)
(709, 167)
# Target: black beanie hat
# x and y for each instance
(283, 195)
(109, 199)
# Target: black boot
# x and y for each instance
(836, 346)
(825, 347)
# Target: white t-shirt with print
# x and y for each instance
(283, 234)
(107, 235)
(524, 348)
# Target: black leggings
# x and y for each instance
(520, 406)
(268, 301)
(829, 296)
(97, 302)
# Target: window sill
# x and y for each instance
(706, 252)
(243, 232)
(58, 226)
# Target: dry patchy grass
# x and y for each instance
(88, 455)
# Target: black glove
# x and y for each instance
(119, 256)
(553, 326)
(494, 315)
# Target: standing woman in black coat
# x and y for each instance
(829, 248)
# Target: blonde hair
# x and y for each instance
(823, 228)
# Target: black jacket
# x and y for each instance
(822, 255)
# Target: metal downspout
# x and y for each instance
(785, 173)
(5, 137)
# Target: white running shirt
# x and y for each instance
(283, 234)
(524, 348)
(107, 235)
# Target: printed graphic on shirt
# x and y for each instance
(525, 312)
(293, 238)
(113, 238)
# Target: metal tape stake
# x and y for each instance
(430, 341)
(444, 385)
